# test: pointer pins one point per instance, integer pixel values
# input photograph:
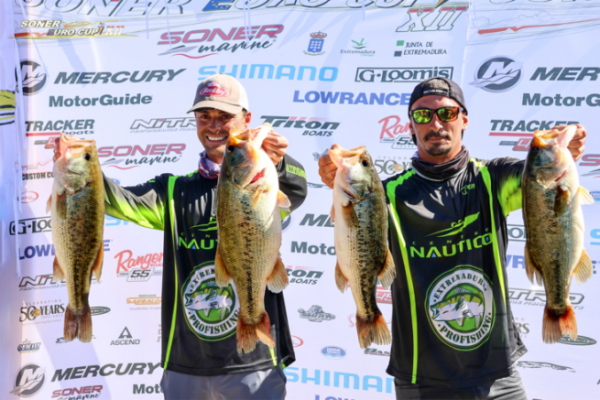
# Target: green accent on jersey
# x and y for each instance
(485, 173)
(292, 169)
(510, 195)
(457, 227)
(283, 213)
(391, 193)
(274, 357)
(171, 205)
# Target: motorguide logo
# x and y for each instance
(498, 74)
(215, 90)
(211, 312)
(140, 268)
(30, 380)
(460, 307)
(78, 393)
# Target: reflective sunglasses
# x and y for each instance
(445, 114)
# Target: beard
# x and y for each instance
(437, 148)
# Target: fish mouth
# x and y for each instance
(258, 176)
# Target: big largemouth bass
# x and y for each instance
(555, 230)
(77, 205)
(249, 226)
(360, 229)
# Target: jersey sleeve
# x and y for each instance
(292, 180)
(143, 204)
(506, 173)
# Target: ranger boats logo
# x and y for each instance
(460, 306)
(211, 311)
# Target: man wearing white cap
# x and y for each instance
(199, 319)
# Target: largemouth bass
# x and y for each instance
(555, 230)
(249, 227)
(361, 217)
(77, 205)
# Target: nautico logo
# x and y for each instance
(203, 236)
(211, 311)
(456, 227)
(460, 306)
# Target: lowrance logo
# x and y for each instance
(390, 99)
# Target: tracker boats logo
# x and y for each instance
(125, 339)
(395, 133)
(400, 75)
(128, 157)
(46, 132)
(315, 314)
(498, 74)
(312, 126)
(460, 307)
(140, 268)
(303, 275)
(161, 125)
(521, 131)
(30, 380)
(28, 346)
(259, 37)
(42, 311)
(430, 19)
(211, 312)
(34, 77)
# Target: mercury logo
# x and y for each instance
(30, 380)
(498, 74)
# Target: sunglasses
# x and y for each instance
(445, 114)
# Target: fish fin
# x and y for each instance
(61, 205)
(97, 267)
(57, 274)
(584, 269)
(78, 326)
(584, 196)
(349, 215)
(388, 271)
(561, 201)
(531, 269)
(460, 321)
(556, 326)
(256, 196)
(249, 334)
(374, 331)
(221, 275)
(49, 204)
(278, 280)
(283, 202)
(332, 214)
(340, 280)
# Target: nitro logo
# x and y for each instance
(259, 37)
(125, 339)
(312, 126)
(87, 78)
(140, 268)
(401, 75)
(498, 74)
(30, 225)
(104, 370)
(89, 392)
(34, 77)
(29, 347)
(122, 156)
(44, 281)
(155, 125)
(303, 275)
(303, 247)
(30, 380)
(538, 298)
(566, 74)
(392, 131)
(428, 19)
(44, 310)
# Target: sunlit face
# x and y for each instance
(438, 141)
(213, 127)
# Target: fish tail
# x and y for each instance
(78, 325)
(249, 334)
(373, 330)
(555, 325)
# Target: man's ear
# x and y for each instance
(465, 121)
(248, 119)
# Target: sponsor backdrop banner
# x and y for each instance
(124, 73)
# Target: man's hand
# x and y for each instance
(327, 168)
(274, 145)
(577, 144)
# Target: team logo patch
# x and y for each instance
(211, 311)
(214, 89)
(460, 306)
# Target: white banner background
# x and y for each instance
(360, 54)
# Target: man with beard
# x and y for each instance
(454, 336)
(199, 353)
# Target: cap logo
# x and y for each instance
(437, 91)
(214, 89)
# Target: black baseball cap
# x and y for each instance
(438, 86)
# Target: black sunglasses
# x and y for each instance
(446, 114)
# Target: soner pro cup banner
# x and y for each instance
(124, 73)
